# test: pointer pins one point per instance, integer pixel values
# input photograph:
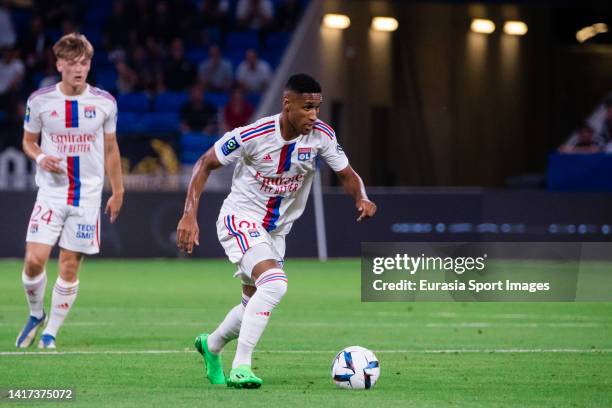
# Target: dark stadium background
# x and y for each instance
(455, 132)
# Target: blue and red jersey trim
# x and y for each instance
(256, 131)
(272, 213)
(72, 114)
(230, 224)
(325, 129)
(284, 163)
(74, 180)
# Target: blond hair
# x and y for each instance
(73, 46)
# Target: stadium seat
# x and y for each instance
(101, 62)
(94, 35)
(254, 98)
(161, 122)
(219, 99)
(242, 40)
(133, 102)
(196, 55)
(129, 123)
(106, 79)
(169, 101)
(278, 40)
(194, 144)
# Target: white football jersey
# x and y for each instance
(273, 176)
(72, 128)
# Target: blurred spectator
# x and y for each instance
(146, 69)
(51, 76)
(116, 27)
(68, 27)
(196, 114)
(605, 133)
(288, 15)
(183, 15)
(7, 30)
(127, 78)
(215, 13)
(140, 15)
(11, 76)
(179, 74)
(163, 26)
(253, 74)
(238, 110)
(55, 12)
(216, 73)
(35, 43)
(255, 14)
(583, 142)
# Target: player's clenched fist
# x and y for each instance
(51, 163)
(187, 233)
(366, 209)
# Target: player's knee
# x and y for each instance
(69, 268)
(273, 283)
(34, 264)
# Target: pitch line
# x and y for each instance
(416, 351)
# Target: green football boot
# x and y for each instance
(243, 377)
(212, 362)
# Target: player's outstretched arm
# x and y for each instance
(354, 186)
(33, 151)
(188, 232)
(112, 164)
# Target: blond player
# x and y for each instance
(69, 131)
(275, 164)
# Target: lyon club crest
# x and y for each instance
(90, 112)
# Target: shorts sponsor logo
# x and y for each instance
(33, 228)
(304, 153)
(90, 112)
(86, 231)
(229, 146)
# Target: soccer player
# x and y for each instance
(275, 165)
(75, 123)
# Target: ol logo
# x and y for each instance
(230, 146)
(90, 112)
(303, 153)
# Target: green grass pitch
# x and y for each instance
(129, 342)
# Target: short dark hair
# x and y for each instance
(302, 83)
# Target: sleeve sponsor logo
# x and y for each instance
(229, 146)
(27, 115)
(339, 149)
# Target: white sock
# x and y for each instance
(228, 329)
(64, 295)
(271, 287)
(35, 292)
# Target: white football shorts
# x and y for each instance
(78, 228)
(240, 235)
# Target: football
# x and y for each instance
(355, 368)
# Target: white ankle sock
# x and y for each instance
(64, 295)
(271, 287)
(229, 327)
(35, 292)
